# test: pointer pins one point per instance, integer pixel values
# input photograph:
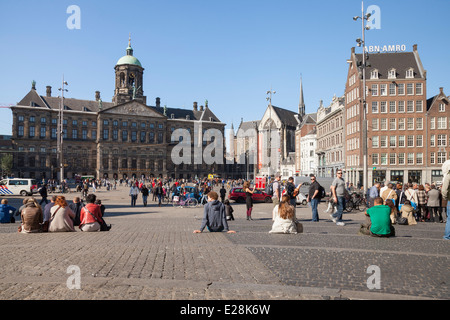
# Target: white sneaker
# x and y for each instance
(340, 224)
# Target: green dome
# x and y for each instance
(128, 59)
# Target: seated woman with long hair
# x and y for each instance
(284, 220)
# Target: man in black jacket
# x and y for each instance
(43, 193)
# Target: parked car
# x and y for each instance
(16, 186)
(238, 195)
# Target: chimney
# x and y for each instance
(415, 47)
(49, 91)
(441, 90)
(201, 108)
(195, 106)
(353, 50)
(97, 95)
(158, 102)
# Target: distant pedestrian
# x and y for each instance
(228, 210)
(43, 193)
(134, 192)
(248, 198)
(223, 192)
(338, 193)
(145, 192)
(276, 187)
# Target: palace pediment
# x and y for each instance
(133, 108)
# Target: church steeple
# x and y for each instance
(129, 49)
(301, 105)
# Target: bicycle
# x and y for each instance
(357, 202)
(184, 203)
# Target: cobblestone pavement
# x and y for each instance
(151, 253)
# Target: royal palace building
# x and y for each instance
(122, 138)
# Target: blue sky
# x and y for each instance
(227, 52)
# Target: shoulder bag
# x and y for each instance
(103, 225)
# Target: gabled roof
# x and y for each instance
(400, 61)
(69, 103)
(286, 116)
(182, 114)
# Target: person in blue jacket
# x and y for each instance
(5, 216)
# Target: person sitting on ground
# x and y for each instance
(407, 211)
(284, 217)
(32, 217)
(379, 221)
(76, 206)
(228, 210)
(91, 215)
(5, 215)
(61, 219)
(214, 215)
(394, 211)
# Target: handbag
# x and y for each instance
(402, 221)
(299, 226)
(103, 225)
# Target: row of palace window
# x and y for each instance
(409, 158)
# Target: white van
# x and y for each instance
(18, 186)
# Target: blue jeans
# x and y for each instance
(315, 213)
(447, 225)
(340, 209)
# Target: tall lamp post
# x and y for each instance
(61, 131)
(364, 18)
(269, 98)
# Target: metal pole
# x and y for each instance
(365, 167)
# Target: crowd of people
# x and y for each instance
(387, 204)
(58, 215)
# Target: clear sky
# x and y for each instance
(227, 52)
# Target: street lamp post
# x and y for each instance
(364, 18)
(269, 98)
(61, 132)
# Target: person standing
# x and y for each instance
(223, 193)
(374, 192)
(134, 191)
(43, 193)
(145, 193)
(276, 187)
(338, 194)
(446, 195)
(314, 198)
(248, 199)
(433, 203)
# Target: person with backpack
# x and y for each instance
(314, 196)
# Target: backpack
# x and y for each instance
(269, 189)
(322, 193)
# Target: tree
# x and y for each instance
(6, 164)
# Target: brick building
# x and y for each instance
(397, 118)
